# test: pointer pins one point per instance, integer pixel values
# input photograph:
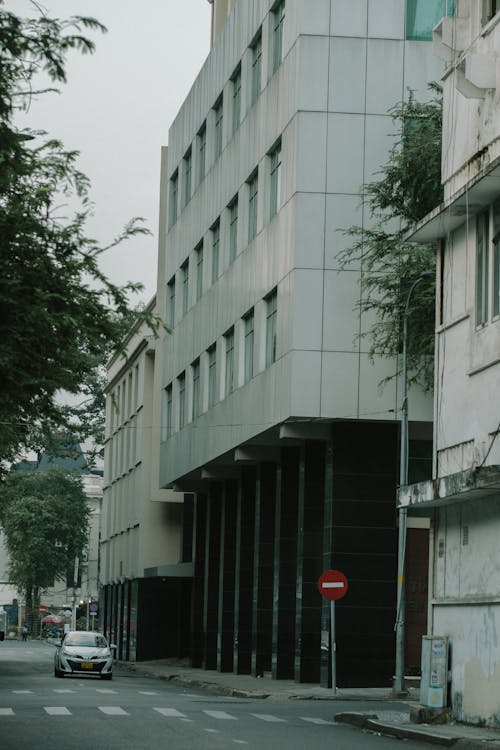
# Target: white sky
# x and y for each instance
(116, 110)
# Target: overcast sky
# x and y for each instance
(116, 110)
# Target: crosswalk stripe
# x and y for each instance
(6, 712)
(112, 710)
(57, 710)
(268, 717)
(22, 692)
(219, 715)
(314, 720)
(148, 692)
(171, 712)
(63, 691)
(105, 690)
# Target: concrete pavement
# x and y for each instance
(392, 721)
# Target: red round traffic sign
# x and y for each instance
(332, 584)
(42, 609)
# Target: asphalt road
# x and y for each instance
(40, 712)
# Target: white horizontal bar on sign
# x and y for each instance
(333, 585)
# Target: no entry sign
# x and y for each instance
(332, 584)
(42, 609)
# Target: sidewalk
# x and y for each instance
(393, 720)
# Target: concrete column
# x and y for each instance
(244, 571)
(262, 621)
(225, 639)
(198, 591)
(285, 564)
(211, 584)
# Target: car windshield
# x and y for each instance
(85, 639)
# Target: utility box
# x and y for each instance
(434, 680)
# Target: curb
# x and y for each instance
(369, 722)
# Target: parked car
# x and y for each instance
(84, 652)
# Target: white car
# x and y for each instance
(84, 652)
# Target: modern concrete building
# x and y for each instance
(463, 500)
(272, 414)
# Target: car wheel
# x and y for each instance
(108, 676)
(58, 673)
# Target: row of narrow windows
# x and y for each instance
(215, 375)
(228, 235)
(190, 174)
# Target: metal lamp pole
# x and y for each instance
(399, 679)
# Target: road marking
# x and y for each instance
(57, 710)
(172, 712)
(268, 717)
(112, 710)
(240, 742)
(6, 712)
(316, 720)
(219, 715)
(147, 692)
(22, 692)
(105, 690)
(213, 731)
(63, 691)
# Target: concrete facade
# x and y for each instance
(464, 498)
(272, 414)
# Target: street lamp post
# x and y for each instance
(399, 679)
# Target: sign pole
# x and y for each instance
(333, 646)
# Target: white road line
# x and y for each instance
(112, 710)
(57, 710)
(6, 712)
(268, 717)
(314, 720)
(213, 731)
(105, 690)
(63, 691)
(22, 692)
(172, 712)
(147, 692)
(240, 742)
(219, 715)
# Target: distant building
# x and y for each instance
(272, 415)
(463, 500)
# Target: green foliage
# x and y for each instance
(44, 517)
(60, 316)
(409, 187)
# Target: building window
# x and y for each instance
(253, 187)
(271, 313)
(212, 376)
(185, 286)
(275, 180)
(482, 243)
(171, 302)
(278, 17)
(196, 410)
(215, 251)
(248, 322)
(423, 15)
(490, 9)
(218, 128)
(256, 74)
(174, 189)
(187, 168)
(181, 382)
(236, 81)
(202, 153)
(167, 429)
(229, 341)
(199, 270)
(233, 229)
(496, 259)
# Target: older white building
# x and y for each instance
(464, 498)
(271, 409)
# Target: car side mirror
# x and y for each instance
(113, 646)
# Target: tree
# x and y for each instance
(59, 314)
(44, 516)
(409, 187)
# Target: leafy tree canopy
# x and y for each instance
(59, 314)
(409, 187)
(44, 516)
